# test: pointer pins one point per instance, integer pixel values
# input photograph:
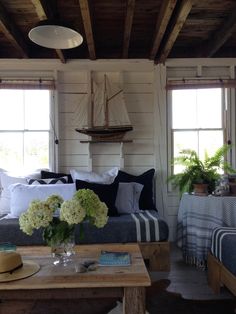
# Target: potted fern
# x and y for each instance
(200, 172)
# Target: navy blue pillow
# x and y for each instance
(106, 193)
(146, 179)
(49, 175)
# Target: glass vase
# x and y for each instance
(60, 236)
(62, 251)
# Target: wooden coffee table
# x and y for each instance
(62, 282)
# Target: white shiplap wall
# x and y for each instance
(145, 95)
(138, 92)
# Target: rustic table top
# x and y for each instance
(56, 277)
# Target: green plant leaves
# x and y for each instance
(57, 232)
(198, 171)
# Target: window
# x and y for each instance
(24, 129)
(197, 121)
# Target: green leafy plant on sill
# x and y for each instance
(197, 171)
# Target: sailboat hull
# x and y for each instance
(105, 134)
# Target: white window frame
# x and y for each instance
(53, 130)
(227, 130)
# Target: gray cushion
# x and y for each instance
(127, 198)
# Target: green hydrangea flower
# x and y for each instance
(72, 212)
(88, 200)
(25, 224)
(39, 214)
(54, 202)
(85, 205)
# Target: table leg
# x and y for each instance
(134, 300)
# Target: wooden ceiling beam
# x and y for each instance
(128, 27)
(44, 11)
(12, 33)
(220, 36)
(178, 22)
(163, 19)
(86, 17)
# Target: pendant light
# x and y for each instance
(54, 34)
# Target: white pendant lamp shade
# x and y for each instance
(55, 36)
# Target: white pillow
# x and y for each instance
(127, 198)
(1, 170)
(106, 178)
(22, 194)
(8, 178)
(6, 181)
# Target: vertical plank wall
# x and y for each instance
(145, 95)
(73, 90)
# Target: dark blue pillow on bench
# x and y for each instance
(106, 192)
(146, 179)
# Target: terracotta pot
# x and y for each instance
(200, 189)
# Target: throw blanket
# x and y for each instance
(146, 226)
(197, 217)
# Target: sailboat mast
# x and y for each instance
(92, 101)
(106, 101)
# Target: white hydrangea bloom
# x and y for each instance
(39, 214)
(25, 224)
(72, 212)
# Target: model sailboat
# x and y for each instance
(107, 115)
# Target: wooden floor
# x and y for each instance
(188, 280)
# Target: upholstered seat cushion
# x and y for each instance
(140, 227)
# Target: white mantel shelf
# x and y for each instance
(106, 141)
(121, 142)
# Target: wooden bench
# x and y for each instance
(218, 275)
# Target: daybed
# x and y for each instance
(142, 226)
(222, 260)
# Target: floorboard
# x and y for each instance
(188, 280)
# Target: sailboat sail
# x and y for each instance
(108, 117)
(99, 109)
(81, 115)
(118, 114)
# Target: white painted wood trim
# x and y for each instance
(122, 158)
(55, 118)
(109, 65)
(90, 158)
(233, 118)
(160, 137)
(190, 62)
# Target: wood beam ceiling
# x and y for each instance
(163, 19)
(128, 27)
(175, 28)
(12, 33)
(220, 36)
(45, 11)
(86, 17)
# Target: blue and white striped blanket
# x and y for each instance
(197, 217)
(147, 226)
(223, 247)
